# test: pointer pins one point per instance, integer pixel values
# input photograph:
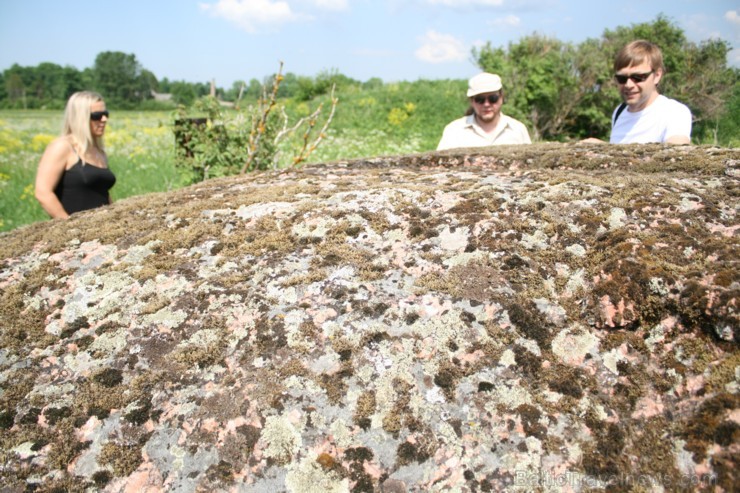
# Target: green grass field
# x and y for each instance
(395, 119)
(141, 146)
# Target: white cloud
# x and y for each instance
(440, 48)
(250, 15)
(508, 21)
(331, 4)
(733, 16)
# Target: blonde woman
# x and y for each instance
(73, 173)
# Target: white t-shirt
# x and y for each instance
(662, 119)
(465, 132)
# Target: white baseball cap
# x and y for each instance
(483, 83)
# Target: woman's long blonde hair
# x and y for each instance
(77, 121)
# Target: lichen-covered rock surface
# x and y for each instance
(540, 318)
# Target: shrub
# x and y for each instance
(223, 141)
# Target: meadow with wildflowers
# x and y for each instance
(139, 147)
(396, 119)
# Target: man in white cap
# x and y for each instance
(483, 123)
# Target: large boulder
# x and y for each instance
(537, 318)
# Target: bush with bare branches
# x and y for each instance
(230, 141)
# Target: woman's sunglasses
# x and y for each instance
(492, 98)
(96, 116)
(622, 79)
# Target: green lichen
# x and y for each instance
(309, 476)
(516, 251)
(281, 439)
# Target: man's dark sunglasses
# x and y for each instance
(492, 98)
(96, 116)
(622, 79)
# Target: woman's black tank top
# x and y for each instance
(84, 186)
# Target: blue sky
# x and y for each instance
(229, 40)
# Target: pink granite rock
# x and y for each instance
(537, 318)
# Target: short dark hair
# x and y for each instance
(637, 52)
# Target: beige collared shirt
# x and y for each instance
(465, 132)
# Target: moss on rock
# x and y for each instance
(444, 321)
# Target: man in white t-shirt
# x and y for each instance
(645, 115)
(484, 123)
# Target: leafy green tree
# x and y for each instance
(306, 89)
(48, 80)
(73, 82)
(88, 78)
(46, 85)
(148, 82)
(237, 88)
(253, 90)
(289, 86)
(727, 128)
(546, 81)
(202, 89)
(118, 77)
(183, 93)
(661, 31)
(54, 84)
(3, 90)
(164, 86)
(706, 85)
(373, 83)
(328, 79)
(17, 82)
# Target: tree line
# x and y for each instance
(126, 84)
(561, 90)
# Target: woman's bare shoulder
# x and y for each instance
(61, 142)
(59, 147)
(57, 153)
